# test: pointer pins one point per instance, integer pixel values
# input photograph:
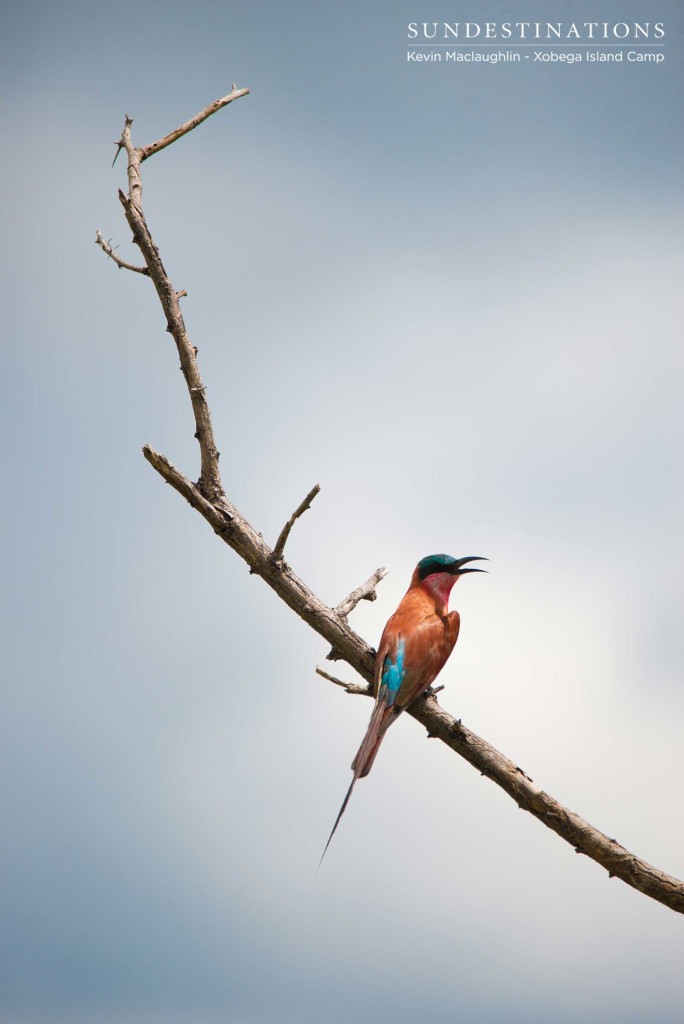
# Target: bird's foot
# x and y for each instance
(432, 691)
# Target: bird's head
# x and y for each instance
(436, 574)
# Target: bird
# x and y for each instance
(414, 647)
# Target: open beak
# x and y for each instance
(458, 571)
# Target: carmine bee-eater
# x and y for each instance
(414, 647)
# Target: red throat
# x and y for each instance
(438, 586)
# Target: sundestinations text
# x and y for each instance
(587, 30)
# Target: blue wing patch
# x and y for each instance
(393, 672)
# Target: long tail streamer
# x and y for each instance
(337, 819)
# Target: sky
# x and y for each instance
(450, 295)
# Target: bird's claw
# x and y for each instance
(432, 691)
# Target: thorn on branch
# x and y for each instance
(366, 592)
(457, 730)
(110, 251)
(181, 295)
(277, 555)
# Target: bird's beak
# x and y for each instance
(458, 571)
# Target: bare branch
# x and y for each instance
(210, 478)
(285, 532)
(121, 264)
(366, 592)
(209, 499)
(349, 687)
(582, 836)
(133, 168)
(155, 147)
(586, 839)
(231, 526)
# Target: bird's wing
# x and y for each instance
(425, 650)
(408, 661)
(390, 672)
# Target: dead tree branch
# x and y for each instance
(226, 521)
(154, 147)
(364, 691)
(210, 479)
(285, 532)
(111, 252)
(366, 592)
(208, 498)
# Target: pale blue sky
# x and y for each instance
(451, 296)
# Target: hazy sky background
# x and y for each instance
(451, 296)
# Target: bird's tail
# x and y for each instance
(381, 719)
(339, 816)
